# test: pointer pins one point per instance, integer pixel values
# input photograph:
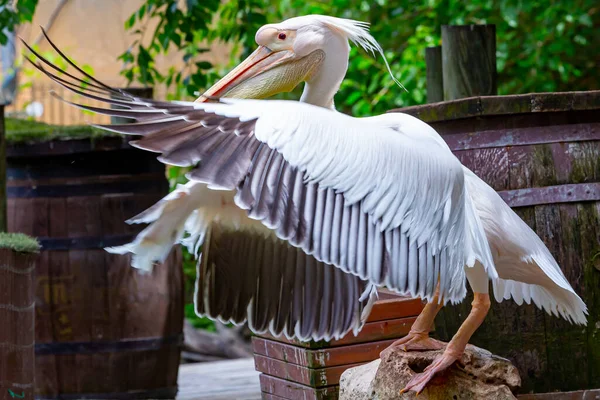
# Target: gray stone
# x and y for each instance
(482, 376)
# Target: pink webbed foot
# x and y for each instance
(440, 364)
(415, 341)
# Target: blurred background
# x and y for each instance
(180, 47)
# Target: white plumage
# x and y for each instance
(427, 204)
(526, 269)
(381, 198)
(430, 218)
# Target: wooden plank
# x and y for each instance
(313, 377)
(487, 106)
(467, 135)
(479, 161)
(295, 391)
(381, 330)
(372, 331)
(587, 231)
(23, 217)
(392, 306)
(220, 380)
(565, 343)
(328, 357)
(528, 351)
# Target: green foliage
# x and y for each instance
(27, 131)
(12, 15)
(541, 46)
(198, 322)
(187, 27)
(18, 242)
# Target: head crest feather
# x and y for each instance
(358, 33)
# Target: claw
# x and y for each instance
(415, 341)
(420, 381)
(423, 344)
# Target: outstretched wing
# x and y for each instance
(356, 194)
(245, 273)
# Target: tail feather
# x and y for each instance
(478, 247)
(526, 270)
(554, 300)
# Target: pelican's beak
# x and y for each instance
(263, 74)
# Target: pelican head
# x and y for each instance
(312, 49)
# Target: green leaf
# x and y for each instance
(141, 12)
(176, 39)
(199, 80)
(204, 65)
(130, 21)
(126, 57)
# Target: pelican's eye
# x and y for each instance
(282, 36)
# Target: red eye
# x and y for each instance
(282, 36)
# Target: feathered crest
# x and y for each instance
(358, 33)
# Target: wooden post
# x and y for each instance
(17, 316)
(469, 61)
(435, 85)
(144, 92)
(3, 216)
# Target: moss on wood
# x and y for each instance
(19, 242)
(585, 162)
(26, 131)
(543, 166)
(504, 105)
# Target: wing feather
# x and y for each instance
(366, 162)
(337, 228)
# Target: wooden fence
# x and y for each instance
(55, 111)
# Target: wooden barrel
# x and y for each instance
(103, 329)
(18, 255)
(542, 153)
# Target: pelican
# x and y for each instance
(380, 199)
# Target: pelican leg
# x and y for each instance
(418, 338)
(456, 347)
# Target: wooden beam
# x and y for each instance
(435, 85)
(469, 61)
(3, 216)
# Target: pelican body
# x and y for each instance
(303, 211)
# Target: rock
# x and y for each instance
(482, 376)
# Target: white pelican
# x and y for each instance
(380, 198)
